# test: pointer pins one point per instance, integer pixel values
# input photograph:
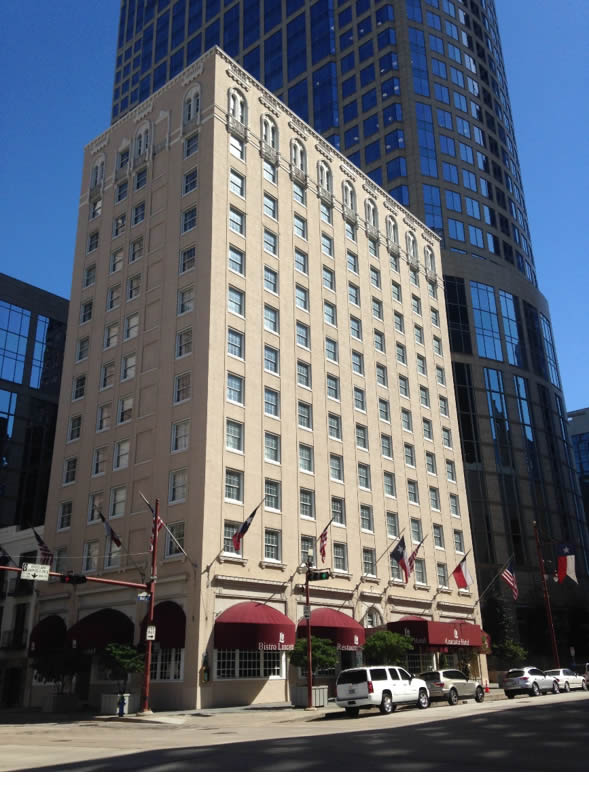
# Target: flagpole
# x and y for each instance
(546, 597)
(497, 575)
(151, 589)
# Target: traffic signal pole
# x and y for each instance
(89, 579)
(309, 647)
(546, 599)
(151, 590)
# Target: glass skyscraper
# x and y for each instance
(415, 93)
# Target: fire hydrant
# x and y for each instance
(121, 705)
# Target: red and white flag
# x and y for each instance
(566, 563)
(240, 533)
(323, 543)
(411, 563)
(46, 554)
(462, 576)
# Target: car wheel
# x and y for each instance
(584, 685)
(567, 687)
(452, 697)
(387, 706)
(422, 700)
(535, 691)
(479, 695)
(352, 711)
(556, 688)
(510, 695)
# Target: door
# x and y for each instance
(397, 686)
(410, 690)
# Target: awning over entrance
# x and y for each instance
(170, 625)
(345, 632)
(101, 628)
(438, 633)
(49, 633)
(253, 625)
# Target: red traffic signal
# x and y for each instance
(72, 578)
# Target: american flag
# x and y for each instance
(323, 542)
(508, 576)
(110, 532)
(412, 559)
(46, 554)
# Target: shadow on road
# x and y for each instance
(543, 738)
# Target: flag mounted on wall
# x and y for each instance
(399, 554)
(566, 563)
(462, 576)
(508, 576)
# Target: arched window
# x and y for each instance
(141, 140)
(191, 109)
(97, 174)
(411, 245)
(324, 176)
(237, 106)
(392, 230)
(269, 132)
(298, 155)
(371, 213)
(349, 195)
(372, 618)
(429, 259)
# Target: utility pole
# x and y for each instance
(309, 647)
(151, 589)
(546, 598)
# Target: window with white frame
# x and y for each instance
(131, 326)
(364, 476)
(121, 454)
(136, 249)
(180, 435)
(235, 388)
(368, 561)
(113, 297)
(125, 412)
(167, 665)
(336, 467)
(384, 410)
(233, 485)
(303, 374)
(412, 492)
(454, 505)
(235, 343)
(389, 485)
(428, 431)
(298, 155)
(236, 183)
(230, 529)
(182, 387)
(90, 557)
(191, 108)
(271, 319)
(178, 484)
(272, 545)
(118, 500)
(79, 387)
(172, 546)
(237, 147)
(392, 520)
(74, 427)
(334, 425)
(272, 495)
(116, 261)
(271, 359)
(338, 510)
(420, 573)
(64, 518)
(416, 530)
(434, 498)
(302, 297)
(438, 535)
(306, 503)
(188, 259)
(185, 301)
(305, 415)
(430, 463)
(366, 518)
(458, 541)
(271, 447)
(89, 276)
(306, 458)
(303, 335)
(340, 557)
(386, 445)
(103, 417)
(271, 402)
(184, 342)
(86, 311)
(112, 554)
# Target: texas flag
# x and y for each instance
(566, 563)
(462, 576)
(399, 554)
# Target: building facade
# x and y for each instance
(414, 92)
(579, 430)
(254, 326)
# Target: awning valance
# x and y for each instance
(170, 625)
(345, 632)
(253, 625)
(438, 633)
(99, 629)
(48, 634)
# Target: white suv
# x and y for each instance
(384, 686)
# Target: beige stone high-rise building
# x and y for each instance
(252, 320)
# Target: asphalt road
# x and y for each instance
(528, 734)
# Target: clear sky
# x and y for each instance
(57, 59)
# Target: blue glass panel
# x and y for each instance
(194, 16)
(296, 47)
(348, 87)
(325, 107)
(231, 31)
(273, 61)
(371, 125)
(176, 62)
(369, 100)
(178, 23)
(193, 50)
(147, 49)
(251, 30)
(160, 75)
(355, 159)
(251, 62)
(367, 75)
(213, 7)
(426, 138)
(397, 168)
(375, 174)
(272, 14)
(393, 113)
(347, 63)
(372, 152)
(485, 321)
(322, 31)
(401, 194)
(298, 99)
(213, 35)
(352, 136)
(161, 38)
(350, 111)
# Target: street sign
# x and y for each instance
(307, 612)
(143, 596)
(34, 572)
(150, 632)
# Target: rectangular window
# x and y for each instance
(331, 349)
(177, 488)
(270, 280)
(235, 388)
(434, 498)
(352, 260)
(328, 278)
(90, 557)
(236, 183)
(358, 363)
(412, 492)
(270, 206)
(139, 213)
(361, 436)
(271, 319)
(300, 226)
(359, 399)
(420, 573)
(307, 550)
(116, 261)
(438, 535)
(188, 219)
(272, 497)
(121, 455)
(305, 415)
(136, 249)
(327, 244)
(271, 359)
(330, 313)
(454, 505)
(79, 387)
(303, 373)
(428, 431)
(185, 301)
(389, 485)
(131, 326)
(334, 426)
(302, 297)
(235, 343)
(236, 260)
(236, 301)
(182, 387)
(303, 335)
(366, 518)
(270, 242)
(271, 402)
(234, 435)
(103, 417)
(306, 463)
(301, 261)
(172, 545)
(458, 541)
(113, 297)
(430, 463)
(64, 520)
(236, 221)
(233, 485)
(189, 181)
(384, 410)
(190, 145)
(364, 476)
(340, 557)
(180, 435)
(118, 500)
(307, 503)
(336, 467)
(272, 447)
(369, 561)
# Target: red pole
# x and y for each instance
(546, 599)
(309, 647)
(151, 589)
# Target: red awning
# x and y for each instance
(49, 633)
(345, 632)
(170, 625)
(253, 625)
(438, 633)
(101, 628)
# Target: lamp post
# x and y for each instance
(309, 647)
(151, 589)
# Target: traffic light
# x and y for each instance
(72, 578)
(318, 575)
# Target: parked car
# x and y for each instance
(528, 680)
(567, 679)
(452, 685)
(382, 686)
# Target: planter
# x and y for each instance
(299, 696)
(109, 703)
(59, 703)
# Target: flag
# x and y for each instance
(399, 554)
(508, 576)
(160, 523)
(462, 576)
(240, 533)
(46, 554)
(566, 563)
(413, 556)
(323, 541)
(110, 532)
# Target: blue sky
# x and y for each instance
(57, 98)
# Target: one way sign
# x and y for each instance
(34, 572)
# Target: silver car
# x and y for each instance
(529, 680)
(567, 679)
(452, 685)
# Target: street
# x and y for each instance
(527, 734)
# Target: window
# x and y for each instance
(384, 410)
(270, 242)
(328, 278)
(182, 387)
(139, 213)
(406, 420)
(270, 280)
(235, 343)
(234, 435)
(116, 261)
(125, 412)
(113, 297)
(271, 319)
(369, 561)
(301, 261)
(89, 277)
(172, 547)
(451, 471)
(271, 447)
(396, 292)
(390, 488)
(271, 402)
(379, 341)
(271, 359)
(333, 387)
(421, 365)
(136, 249)
(103, 417)
(444, 408)
(326, 212)
(306, 503)
(79, 387)
(90, 557)
(270, 206)
(458, 541)
(454, 505)
(305, 415)
(438, 535)
(131, 326)
(358, 363)
(334, 425)
(437, 342)
(118, 500)
(74, 428)
(189, 181)
(428, 431)
(236, 260)
(180, 435)
(420, 574)
(340, 557)
(303, 373)
(307, 550)
(338, 510)
(237, 147)
(364, 476)
(271, 545)
(92, 242)
(86, 311)
(236, 221)
(236, 301)
(306, 463)
(270, 172)
(434, 498)
(303, 335)
(440, 375)
(300, 226)
(412, 491)
(381, 375)
(235, 388)
(336, 467)
(185, 301)
(272, 498)
(399, 322)
(446, 437)
(355, 327)
(352, 260)
(430, 462)
(302, 297)
(361, 437)
(409, 452)
(177, 488)
(331, 349)
(359, 399)
(140, 179)
(330, 313)
(69, 470)
(354, 294)
(236, 183)
(298, 193)
(82, 349)
(386, 445)
(401, 354)
(442, 571)
(424, 396)
(64, 520)
(418, 333)
(95, 506)
(233, 485)
(327, 244)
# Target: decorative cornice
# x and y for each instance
(194, 73)
(100, 143)
(347, 173)
(238, 76)
(298, 128)
(272, 105)
(141, 111)
(324, 150)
